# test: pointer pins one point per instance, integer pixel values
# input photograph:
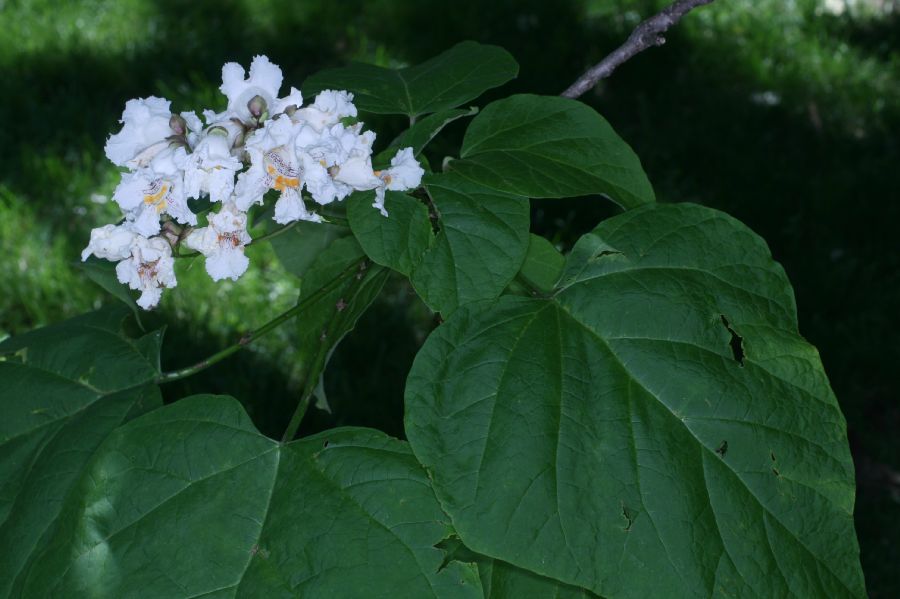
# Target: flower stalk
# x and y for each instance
(251, 336)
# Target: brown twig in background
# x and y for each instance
(648, 33)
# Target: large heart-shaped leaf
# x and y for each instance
(448, 80)
(478, 249)
(64, 388)
(190, 500)
(659, 414)
(551, 147)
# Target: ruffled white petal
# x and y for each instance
(145, 123)
(290, 208)
(110, 242)
(329, 107)
(405, 172)
(357, 173)
(223, 242)
(295, 98)
(149, 269)
(210, 168)
(264, 81)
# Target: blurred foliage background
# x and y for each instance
(784, 113)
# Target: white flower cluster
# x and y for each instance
(261, 142)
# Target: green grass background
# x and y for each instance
(781, 113)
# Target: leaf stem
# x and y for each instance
(251, 336)
(315, 369)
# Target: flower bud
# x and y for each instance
(290, 110)
(178, 124)
(257, 106)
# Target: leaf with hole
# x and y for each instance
(611, 430)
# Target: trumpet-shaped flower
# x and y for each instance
(111, 242)
(274, 165)
(148, 131)
(404, 173)
(145, 195)
(326, 154)
(211, 168)
(222, 242)
(264, 81)
(149, 269)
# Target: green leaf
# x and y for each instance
(500, 580)
(551, 147)
(190, 500)
(297, 247)
(660, 413)
(480, 245)
(543, 264)
(103, 273)
(65, 389)
(450, 79)
(327, 321)
(420, 135)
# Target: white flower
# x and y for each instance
(149, 269)
(144, 131)
(405, 173)
(333, 145)
(264, 81)
(147, 132)
(145, 195)
(319, 182)
(335, 161)
(274, 165)
(222, 242)
(290, 207)
(328, 109)
(110, 242)
(295, 98)
(211, 168)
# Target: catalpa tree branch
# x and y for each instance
(648, 33)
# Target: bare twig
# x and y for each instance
(648, 33)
